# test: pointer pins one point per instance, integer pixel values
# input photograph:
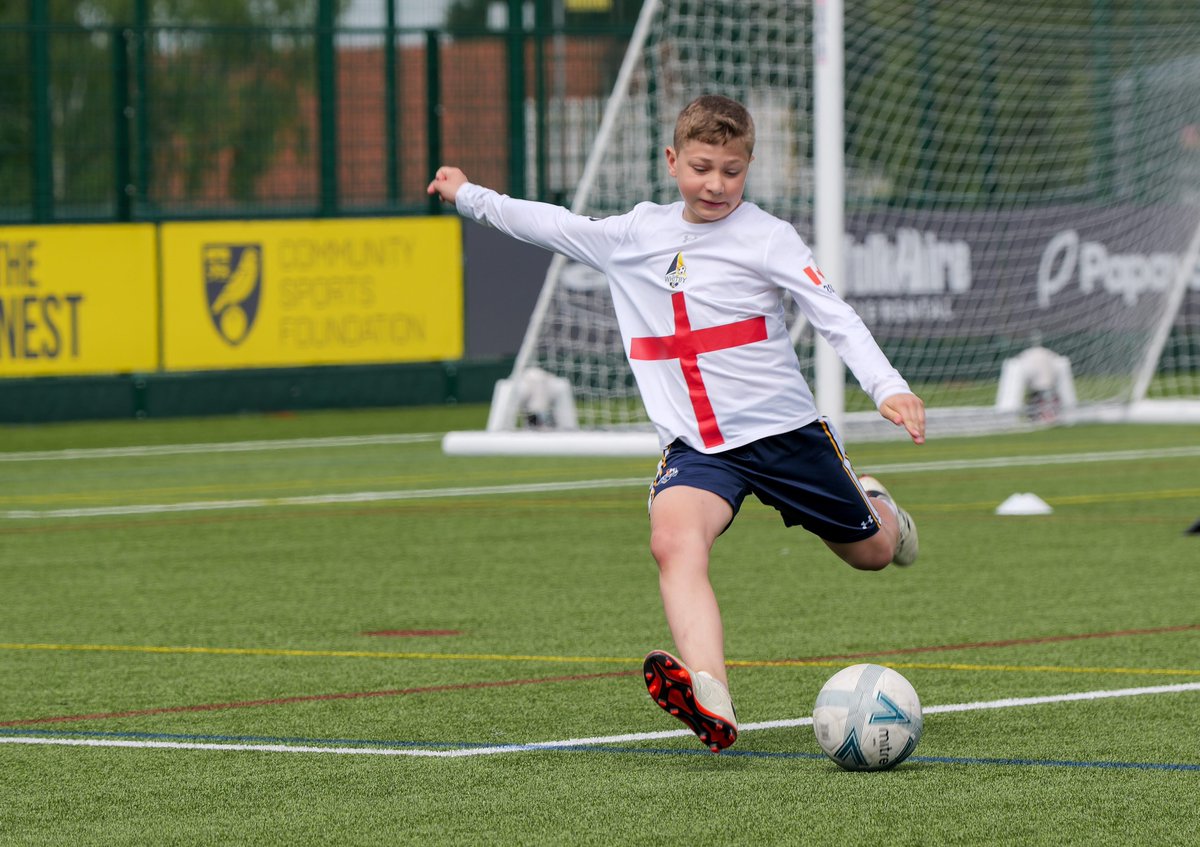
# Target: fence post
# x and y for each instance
(327, 106)
(928, 104)
(433, 110)
(122, 185)
(543, 22)
(1104, 175)
(389, 107)
(39, 98)
(516, 98)
(141, 106)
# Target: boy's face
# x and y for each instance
(711, 178)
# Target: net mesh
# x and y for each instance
(1017, 175)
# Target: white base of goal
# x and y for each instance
(1156, 412)
(526, 442)
(856, 427)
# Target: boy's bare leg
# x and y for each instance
(874, 553)
(895, 543)
(684, 523)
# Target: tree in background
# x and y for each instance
(224, 88)
(1050, 71)
(471, 16)
(215, 88)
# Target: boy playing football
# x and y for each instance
(698, 287)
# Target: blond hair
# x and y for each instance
(713, 119)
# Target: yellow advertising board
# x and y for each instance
(289, 293)
(77, 300)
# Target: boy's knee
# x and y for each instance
(663, 546)
(873, 554)
(670, 546)
(869, 563)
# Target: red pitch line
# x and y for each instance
(353, 695)
(309, 698)
(1011, 642)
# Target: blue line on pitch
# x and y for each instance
(934, 760)
(1058, 763)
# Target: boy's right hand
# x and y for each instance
(908, 411)
(446, 183)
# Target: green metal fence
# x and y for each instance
(135, 118)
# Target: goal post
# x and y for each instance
(829, 212)
(976, 179)
(505, 410)
(1188, 270)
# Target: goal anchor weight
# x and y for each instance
(1037, 383)
(540, 399)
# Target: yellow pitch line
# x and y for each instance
(335, 654)
(623, 660)
(1166, 494)
(1075, 500)
(958, 666)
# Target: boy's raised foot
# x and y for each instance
(906, 547)
(696, 698)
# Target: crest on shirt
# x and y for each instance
(677, 273)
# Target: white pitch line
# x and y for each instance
(319, 499)
(465, 752)
(219, 447)
(543, 487)
(1032, 461)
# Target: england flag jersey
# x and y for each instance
(701, 312)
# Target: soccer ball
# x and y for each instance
(868, 718)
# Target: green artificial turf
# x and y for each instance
(241, 617)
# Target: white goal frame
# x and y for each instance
(829, 227)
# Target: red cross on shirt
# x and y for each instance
(686, 345)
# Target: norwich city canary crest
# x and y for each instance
(232, 284)
(677, 273)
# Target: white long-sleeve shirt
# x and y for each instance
(701, 312)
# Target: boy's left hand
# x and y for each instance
(908, 411)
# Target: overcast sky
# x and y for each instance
(409, 13)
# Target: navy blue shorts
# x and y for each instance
(804, 474)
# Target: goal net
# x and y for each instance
(1021, 212)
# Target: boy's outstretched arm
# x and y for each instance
(908, 411)
(446, 183)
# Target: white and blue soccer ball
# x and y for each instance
(868, 718)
